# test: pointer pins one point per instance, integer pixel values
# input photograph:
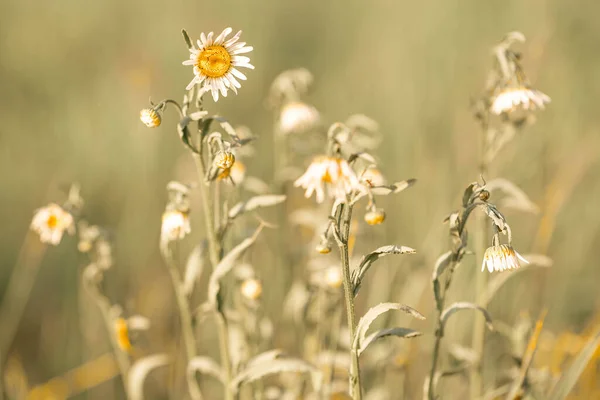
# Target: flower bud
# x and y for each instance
(150, 117)
(224, 160)
(323, 248)
(484, 195)
(375, 217)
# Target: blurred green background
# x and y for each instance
(74, 75)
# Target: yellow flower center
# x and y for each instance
(214, 61)
(52, 221)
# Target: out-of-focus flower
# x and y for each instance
(372, 177)
(215, 62)
(122, 333)
(51, 222)
(175, 225)
(297, 117)
(501, 258)
(224, 160)
(323, 248)
(511, 99)
(333, 277)
(333, 172)
(236, 172)
(375, 217)
(251, 289)
(150, 117)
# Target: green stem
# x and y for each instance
(354, 378)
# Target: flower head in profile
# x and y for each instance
(297, 117)
(150, 117)
(216, 62)
(235, 173)
(51, 222)
(331, 173)
(500, 258)
(175, 225)
(510, 99)
(375, 217)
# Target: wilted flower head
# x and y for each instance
(224, 160)
(297, 117)
(51, 222)
(372, 177)
(251, 289)
(150, 117)
(500, 258)
(510, 99)
(334, 172)
(235, 173)
(375, 217)
(215, 62)
(175, 225)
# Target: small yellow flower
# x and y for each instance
(175, 225)
(224, 160)
(251, 289)
(236, 172)
(334, 173)
(323, 248)
(297, 117)
(216, 61)
(150, 117)
(501, 258)
(375, 217)
(333, 277)
(510, 99)
(51, 222)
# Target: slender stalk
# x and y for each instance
(214, 251)
(481, 223)
(354, 378)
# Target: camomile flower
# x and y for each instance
(334, 173)
(51, 222)
(501, 258)
(150, 117)
(216, 62)
(375, 217)
(510, 99)
(297, 117)
(175, 225)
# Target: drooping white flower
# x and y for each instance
(150, 117)
(511, 99)
(51, 222)
(297, 117)
(216, 62)
(331, 173)
(500, 258)
(175, 225)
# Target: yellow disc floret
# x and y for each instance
(213, 61)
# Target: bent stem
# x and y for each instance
(354, 378)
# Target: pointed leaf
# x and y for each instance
(395, 187)
(139, 371)
(369, 259)
(206, 366)
(264, 357)
(465, 306)
(269, 367)
(254, 203)
(398, 332)
(374, 312)
(193, 268)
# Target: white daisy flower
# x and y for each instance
(216, 61)
(150, 117)
(511, 98)
(333, 171)
(175, 225)
(501, 258)
(51, 222)
(297, 117)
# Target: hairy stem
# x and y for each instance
(354, 378)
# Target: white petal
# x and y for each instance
(219, 39)
(238, 74)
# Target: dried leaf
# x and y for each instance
(193, 268)
(255, 202)
(465, 306)
(516, 198)
(399, 332)
(206, 366)
(441, 264)
(274, 366)
(138, 372)
(396, 187)
(372, 314)
(366, 262)
(468, 194)
(568, 380)
(227, 264)
(495, 215)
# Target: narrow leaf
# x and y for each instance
(276, 366)
(465, 306)
(139, 371)
(568, 380)
(254, 203)
(396, 187)
(441, 264)
(227, 264)
(206, 366)
(374, 312)
(369, 259)
(398, 332)
(264, 357)
(193, 268)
